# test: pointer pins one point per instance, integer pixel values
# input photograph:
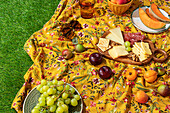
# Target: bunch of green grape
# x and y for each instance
(56, 97)
(127, 45)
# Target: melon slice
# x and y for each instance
(157, 13)
(147, 21)
(150, 15)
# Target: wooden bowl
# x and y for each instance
(119, 9)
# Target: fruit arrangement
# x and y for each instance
(56, 97)
(153, 18)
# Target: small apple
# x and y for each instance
(79, 48)
(161, 70)
(164, 90)
(67, 54)
(105, 72)
(95, 58)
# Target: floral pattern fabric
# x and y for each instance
(64, 30)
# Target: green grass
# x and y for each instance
(19, 19)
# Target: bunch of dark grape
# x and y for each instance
(56, 97)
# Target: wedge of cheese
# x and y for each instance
(103, 42)
(117, 51)
(114, 38)
(103, 48)
(118, 34)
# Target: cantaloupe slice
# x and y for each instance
(147, 21)
(150, 15)
(157, 13)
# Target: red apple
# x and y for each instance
(67, 54)
(105, 72)
(164, 90)
(95, 58)
(121, 2)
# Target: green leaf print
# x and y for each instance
(76, 78)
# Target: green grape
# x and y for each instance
(60, 83)
(127, 44)
(64, 95)
(55, 82)
(67, 87)
(77, 97)
(43, 82)
(47, 98)
(53, 108)
(41, 90)
(153, 40)
(44, 111)
(66, 111)
(50, 91)
(41, 99)
(35, 110)
(50, 102)
(39, 87)
(59, 103)
(45, 94)
(54, 90)
(60, 88)
(72, 90)
(42, 103)
(65, 107)
(60, 109)
(128, 49)
(45, 88)
(49, 83)
(67, 101)
(58, 92)
(74, 102)
(60, 99)
(38, 106)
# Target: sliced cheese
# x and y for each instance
(104, 48)
(138, 44)
(117, 51)
(136, 51)
(145, 46)
(103, 42)
(118, 33)
(139, 48)
(114, 38)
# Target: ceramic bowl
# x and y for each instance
(32, 99)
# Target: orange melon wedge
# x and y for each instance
(157, 13)
(150, 15)
(147, 21)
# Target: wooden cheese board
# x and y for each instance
(127, 60)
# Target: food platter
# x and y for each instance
(32, 99)
(125, 59)
(138, 23)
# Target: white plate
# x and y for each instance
(138, 23)
(32, 99)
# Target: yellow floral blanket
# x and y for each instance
(115, 95)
